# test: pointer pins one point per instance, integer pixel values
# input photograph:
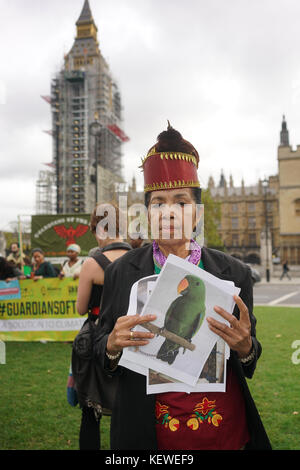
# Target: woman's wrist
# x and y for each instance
(246, 350)
(110, 349)
(113, 357)
(247, 358)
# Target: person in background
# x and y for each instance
(15, 256)
(285, 270)
(9, 271)
(72, 266)
(41, 268)
(137, 240)
(90, 286)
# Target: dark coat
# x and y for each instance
(133, 418)
(46, 269)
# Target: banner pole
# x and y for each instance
(20, 242)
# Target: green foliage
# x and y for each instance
(13, 237)
(212, 218)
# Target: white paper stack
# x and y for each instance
(200, 369)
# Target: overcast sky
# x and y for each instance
(223, 73)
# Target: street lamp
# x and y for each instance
(95, 129)
(265, 184)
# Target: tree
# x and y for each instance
(212, 219)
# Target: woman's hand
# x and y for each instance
(238, 334)
(122, 336)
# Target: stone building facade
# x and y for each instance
(262, 222)
(289, 198)
(247, 213)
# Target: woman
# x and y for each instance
(170, 173)
(90, 286)
(41, 268)
(72, 267)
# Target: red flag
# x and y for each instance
(47, 99)
(118, 132)
(49, 132)
(52, 165)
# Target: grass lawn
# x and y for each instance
(34, 412)
(276, 382)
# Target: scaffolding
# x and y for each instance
(45, 193)
(83, 89)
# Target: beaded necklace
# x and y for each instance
(160, 259)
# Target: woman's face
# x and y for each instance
(38, 257)
(172, 215)
(72, 255)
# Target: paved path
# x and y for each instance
(276, 292)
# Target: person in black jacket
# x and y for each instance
(135, 421)
(91, 280)
(285, 270)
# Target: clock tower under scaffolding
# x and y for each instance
(86, 114)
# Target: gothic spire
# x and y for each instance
(86, 27)
(85, 15)
(284, 133)
(222, 182)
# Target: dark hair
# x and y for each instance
(14, 243)
(6, 269)
(196, 192)
(172, 140)
(197, 195)
(37, 250)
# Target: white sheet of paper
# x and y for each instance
(187, 367)
(202, 385)
(139, 294)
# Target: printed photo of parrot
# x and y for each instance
(184, 316)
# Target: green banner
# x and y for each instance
(53, 233)
(46, 311)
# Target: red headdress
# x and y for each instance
(171, 163)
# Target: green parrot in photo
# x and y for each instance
(184, 316)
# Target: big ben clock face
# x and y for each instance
(95, 128)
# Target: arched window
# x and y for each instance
(297, 206)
